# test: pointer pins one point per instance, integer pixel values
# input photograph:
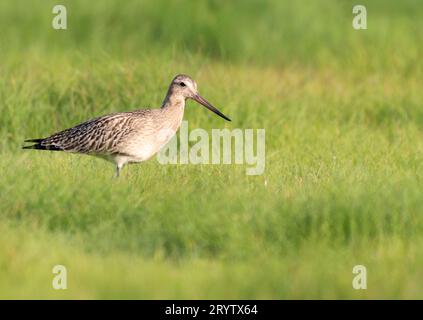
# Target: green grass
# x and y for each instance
(342, 109)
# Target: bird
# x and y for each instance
(132, 136)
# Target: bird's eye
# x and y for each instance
(182, 84)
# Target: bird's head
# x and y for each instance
(185, 87)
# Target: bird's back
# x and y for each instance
(102, 135)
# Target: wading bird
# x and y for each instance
(128, 137)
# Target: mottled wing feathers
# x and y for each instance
(101, 135)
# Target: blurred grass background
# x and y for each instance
(343, 115)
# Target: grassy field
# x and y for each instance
(343, 114)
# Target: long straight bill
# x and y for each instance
(208, 105)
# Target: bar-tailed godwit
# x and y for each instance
(128, 137)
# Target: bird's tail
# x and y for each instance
(38, 146)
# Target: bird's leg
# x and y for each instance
(118, 168)
(120, 162)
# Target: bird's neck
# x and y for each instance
(173, 100)
(173, 110)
